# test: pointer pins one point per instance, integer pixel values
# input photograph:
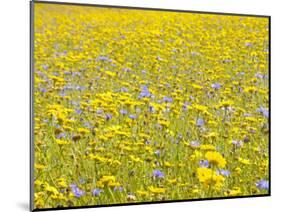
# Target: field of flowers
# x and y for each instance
(139, 106)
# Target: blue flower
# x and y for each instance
(102, 58)
(78, 111)
(204, 163)
(123, 89)
(263, 111)
(118, 188)
(259, 75)
(157, 152)
(132, 116)
(87, 124)
(76, 191)
(43, 90)
(123, 112)
(263, 184)
(184, 107)
(108, 116)
(216, 85)
(61, 135)
(199, 122)
(96, 192)
(194, 143)
(167, 99)
(79, 88)
(144, 92)
(99, 111)
(224, 172)
(151, 109)
(158, 174)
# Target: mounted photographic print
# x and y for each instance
(136, 105)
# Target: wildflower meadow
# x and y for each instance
(144, 106)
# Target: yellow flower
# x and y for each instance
(61, 142)
(209, 177)
(168, 164)
(39, 166)
(216, 159)
(51, 189)
(142, 193)
(62, 183)
(135, 159)
(156, 190)
(235, 191)
(83, 131)
(244, 161)
(207, 147)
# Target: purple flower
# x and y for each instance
(185, 104)
(132, 116)
(157, 152)
(237, 143)
(204, 163)
(259, 75)
(158, 174)
(82, 180)
(43, 90)
(78, 111)
(123, 89)
(167, 99)
(76, 191)
(118, 188)
(144, 92)
(108, 117)
(123, 112)
(263, 111)
(61, 135)
(224, 172)
(79, 88)
(216, 85)
(87, 124)
(99, 111)
(45, 67)
(96, 192)
(199, 122)
(102, 58)
(151, 109)
(263, 184)
(248, 44)
(194, 143)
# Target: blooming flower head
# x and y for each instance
(200, 122)
(157, 152)
(167, 99)
(96, 192)
(194, 144)
(263, 111)
(223, 172)
(216, 86)
(123, 111)
(204, 163)
(118, 188)
(263, 184)
(132, 116)
(209, 177)
(108, 117)
(158, 174)
(144, 92)
(216, 159)
(76, 191)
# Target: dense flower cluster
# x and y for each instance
(135, 106)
